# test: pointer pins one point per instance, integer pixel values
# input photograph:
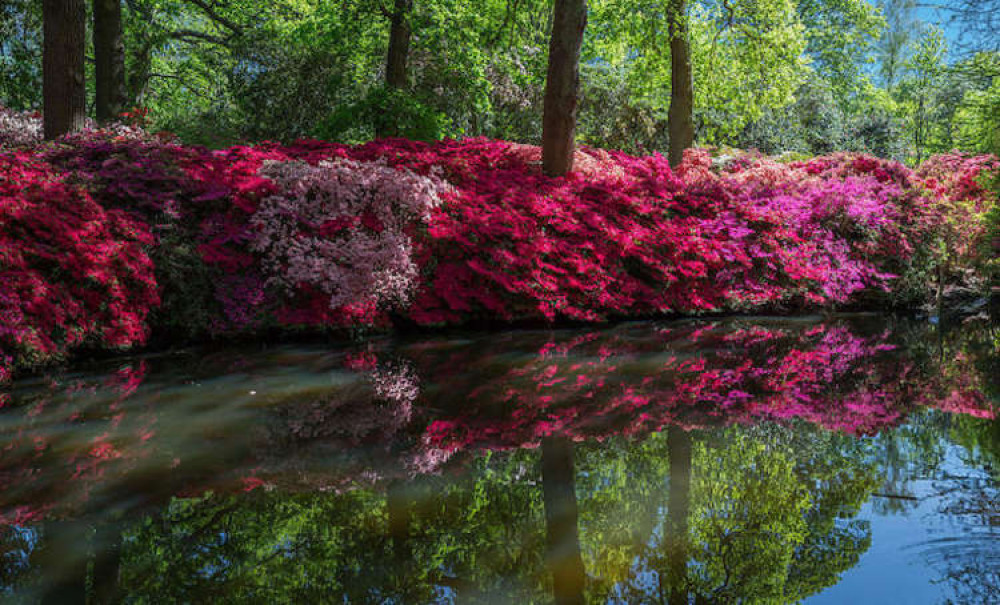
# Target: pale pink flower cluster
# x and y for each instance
(342, 227)
(397, 384)
(19, 128)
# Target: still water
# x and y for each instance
(837, 460)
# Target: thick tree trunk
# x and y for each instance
(109, 60)
(64, 89)
(562, 86)
(680, 118)
(561, 531)
(399, 45)
(396, 77)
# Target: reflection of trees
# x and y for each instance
(678, 509)
(510, 390)
(755, 514)
(745, 513)
(373, 496)
(971, 566)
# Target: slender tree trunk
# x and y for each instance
(680, 118)
(561, 532)
(64, 89)
(562, 86)
(109, 60)
(138, 78)
(918, 131)
(396, 77)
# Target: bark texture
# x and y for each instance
(562, 86)
(396, 61)
(109, 61)
(680, 118)
(64, 90)
(399, 44)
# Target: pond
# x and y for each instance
(825, 460)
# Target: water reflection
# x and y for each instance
(695, 462)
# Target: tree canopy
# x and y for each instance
(802, 76)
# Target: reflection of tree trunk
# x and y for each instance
(678, 506)
(107, 563)
(398, 507)
(62, 564)
(563, 542)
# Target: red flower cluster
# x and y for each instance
(71, 272)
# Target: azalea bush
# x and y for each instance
(964, 189)
(72, 273)
(341, 229)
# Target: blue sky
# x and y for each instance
(939, 17)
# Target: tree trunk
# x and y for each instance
(562, 535)
(562, 86)
(680, 118)
(109, 60)
(64, 89)
(138, 78)
(399, 45)
(396, 61)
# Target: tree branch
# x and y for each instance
(212, 14)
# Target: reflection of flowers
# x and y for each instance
(375, 409)
(827, 375)
(630, 380)
(396, 383)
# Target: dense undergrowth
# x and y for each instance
(108, 235)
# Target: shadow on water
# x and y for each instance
(745, 460)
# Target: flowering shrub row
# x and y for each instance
(321, 234)
(967, 238)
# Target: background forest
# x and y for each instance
(809, 77)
